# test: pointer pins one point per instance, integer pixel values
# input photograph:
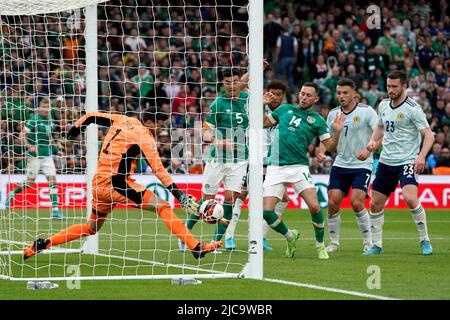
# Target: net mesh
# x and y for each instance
(150, 53)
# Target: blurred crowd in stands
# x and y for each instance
(323, 41)
(169, 56)
(166, 55)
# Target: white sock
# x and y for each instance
(280, 207)
(334, 225)
(363, 220)
(234, 218)
(376, 227)
(289, 235)
(420, 219)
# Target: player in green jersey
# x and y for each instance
(278, 90)
(228, 154)
(38, 131)
(298, 126)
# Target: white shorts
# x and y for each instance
(231, 174)
(45, 164)
(277, 179)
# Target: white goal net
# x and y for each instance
(57, 63)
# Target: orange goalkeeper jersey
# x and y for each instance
(126, 141)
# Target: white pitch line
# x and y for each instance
(312, 286)
(354, 239)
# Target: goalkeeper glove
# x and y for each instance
(65, 143)
(187, 201)
(189, 204)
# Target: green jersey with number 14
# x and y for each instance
(297, 128)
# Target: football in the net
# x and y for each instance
(211, 211)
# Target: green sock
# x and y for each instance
(274, 222)
(20, 188)
(193, 218)
(220, 227)
(319, 230)
(54, 196)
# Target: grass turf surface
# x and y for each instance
(405, 273)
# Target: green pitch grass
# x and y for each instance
(128, 246)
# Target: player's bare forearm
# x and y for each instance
(376, 139)
(267, 122)
(31, 148)
(243, 82)
(208, 136)
(321, 154)
(428, 140)
(378, 143)
(331, 143)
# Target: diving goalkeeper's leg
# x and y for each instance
(73, 232)
(177, 226)
(193, 219)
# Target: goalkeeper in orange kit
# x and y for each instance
(127, 139)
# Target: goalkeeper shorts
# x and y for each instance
(108, 192)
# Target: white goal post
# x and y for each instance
(133, 244)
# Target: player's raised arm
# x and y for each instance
(243, 83)
(331, 143)
(270, 120)
(102, 119)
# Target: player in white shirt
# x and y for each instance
(353, 164)
(401, 124)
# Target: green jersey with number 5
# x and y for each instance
(297, 129)
(229, 120)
